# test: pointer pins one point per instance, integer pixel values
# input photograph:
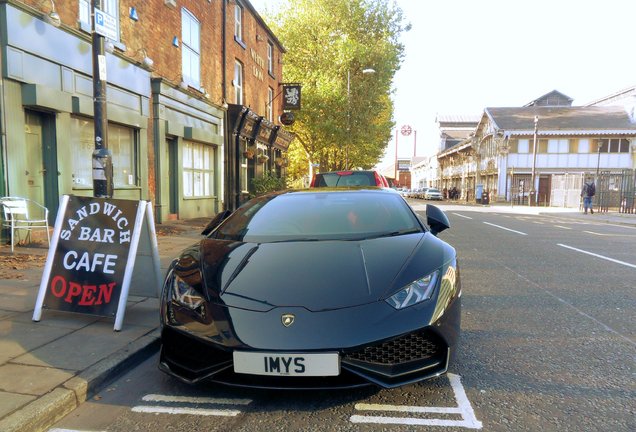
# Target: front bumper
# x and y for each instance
(410, 357)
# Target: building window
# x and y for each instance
(122, 142)
(524, 146)
(584, 146)
(238, 83)
(614, 145)
(558, 146)
(111, 7)
(238, 22)
(270, 58)
(197, 170)
(243, 173)
(191, 49)
(270, 104)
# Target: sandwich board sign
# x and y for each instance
(97, 246)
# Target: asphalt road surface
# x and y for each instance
(548, 344)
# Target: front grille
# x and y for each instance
(189, 358)
(404, 349)
(406, 359)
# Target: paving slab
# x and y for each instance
(89, 345)
(18, 338)
(31, 380)
(9, 402)
(53, 318)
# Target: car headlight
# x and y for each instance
(184, 294)
(415, 292)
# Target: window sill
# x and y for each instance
(240, 42)
(211, 197)
(115, 187)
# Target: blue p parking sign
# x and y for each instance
(105, 24)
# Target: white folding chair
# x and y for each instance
(24, 214)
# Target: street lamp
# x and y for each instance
(366, 71)
(598, 161)
(533, 197)
(53, 17)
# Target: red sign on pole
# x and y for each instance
(406, 130)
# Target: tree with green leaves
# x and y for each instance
(345, 54)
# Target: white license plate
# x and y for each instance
(296, 364)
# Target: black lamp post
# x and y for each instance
(102, 157)
(598, 160)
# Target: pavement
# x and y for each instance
(48, 368)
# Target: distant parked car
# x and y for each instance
(421, 192)
(433, 194)
(349, 178)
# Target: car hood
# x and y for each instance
(316, 275)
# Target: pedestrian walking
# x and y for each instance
(588, 191)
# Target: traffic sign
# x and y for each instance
(105, 24)
(406, 130)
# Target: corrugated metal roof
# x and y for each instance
(575, 132)
(458, 118)
(609, 98)
(454, 149)
(458, 133)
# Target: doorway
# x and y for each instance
(173, 178)
(545, 186)
(41, 150)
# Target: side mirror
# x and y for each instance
(436, 219)
(215, 222)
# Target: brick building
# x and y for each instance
(171, 87)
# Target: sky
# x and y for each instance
(462, 56)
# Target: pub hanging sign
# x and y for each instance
(291, 96)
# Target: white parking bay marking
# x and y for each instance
(461, 215)
(68, 430)
(410, 409)
(195, 400)
(202, 405)
(597, 255)
(463, 409)
(504, 228)
(185, 410)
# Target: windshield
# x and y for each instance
(345, 178)
(320, 216)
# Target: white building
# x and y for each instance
(543, 150)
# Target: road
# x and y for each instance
(548, 344)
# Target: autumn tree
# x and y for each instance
(345, 54)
